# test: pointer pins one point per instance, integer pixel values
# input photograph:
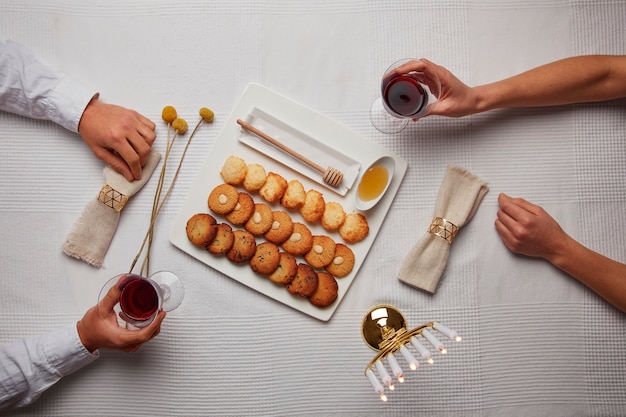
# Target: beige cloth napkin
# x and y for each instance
(459, 197)
(91, 236)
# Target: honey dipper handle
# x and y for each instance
(276, 143)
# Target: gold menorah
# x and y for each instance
(384, 330)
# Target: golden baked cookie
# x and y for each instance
(333, 217)
(354, 228)
(223, 241)
(255, 178)
(242, 211)
(261, 219)
(286, 269)
(300, 241)
(234, 170)
(274, 187)
(201, 229)
(294, 195)
(244, 247)
(265, 259)
(223, 199)
(304, 283)
(313, 208)
(322, 252)
(282, 227)
(326, 292)
(342, 262)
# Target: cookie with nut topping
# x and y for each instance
(261, 219)
(300, 241)
(242, 211)
(343, 261)
(322, 252)
(223, 199)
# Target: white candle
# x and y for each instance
(376, 384)
(408, 356)
(447, 331)
(395, 367)
(384, 375)
(434, 341)
(422, 350)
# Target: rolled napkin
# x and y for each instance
(91, 235)
(459, 197)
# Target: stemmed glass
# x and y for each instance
(405, 95)
(141, 298)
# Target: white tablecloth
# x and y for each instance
(536, 342)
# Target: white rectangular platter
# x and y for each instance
(311, 124)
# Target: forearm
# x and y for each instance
(31, 365)
(571, 80)
(29, 87)
(604, 276)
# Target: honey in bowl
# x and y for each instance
(373, 183)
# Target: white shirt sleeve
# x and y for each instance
(30, 88)
(31, 365)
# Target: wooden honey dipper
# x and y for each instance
(331, 176)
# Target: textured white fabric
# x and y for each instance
(31, 365)
(536, 343)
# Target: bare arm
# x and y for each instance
(572, 80)
(529, 230)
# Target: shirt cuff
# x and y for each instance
(68, 102)
(65, 351)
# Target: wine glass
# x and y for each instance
(405, 95)
(141, 298)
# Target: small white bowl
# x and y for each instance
(389, 165)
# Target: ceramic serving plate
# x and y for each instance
(305, 125)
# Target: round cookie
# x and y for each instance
(261, 220)
(342, 262)
(294, 195)
(255, 178)
(326, 292)
(286, 270)
(274, 187)
(300, 241)
(322, 252)
(242, 210)
(265, 259)
(244, 247)
(333, 217)
(281, 229)
(313, 208)
(201, 229)
(354, 228)
(223, 241)
(234, 170)
(304, 283)
(223, 199)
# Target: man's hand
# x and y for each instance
(120, 137)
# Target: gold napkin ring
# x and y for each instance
(443, 228)
(111, 198)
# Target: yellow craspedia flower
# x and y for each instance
(169, 114)
(179, 125)
(207, 114)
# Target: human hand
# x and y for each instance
(99, 328)
(120, 137)
(528, 229)
(455, 99)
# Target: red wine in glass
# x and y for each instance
(140, 300)
(404, 95)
